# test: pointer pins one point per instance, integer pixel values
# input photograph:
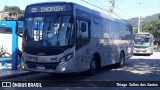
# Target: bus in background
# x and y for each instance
(65, 37)
(143, 43)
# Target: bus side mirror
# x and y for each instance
(19, 28)
(83, 27)
(21, 18)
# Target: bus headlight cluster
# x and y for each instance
(24, 58)
(66, 58)
(63, 69)
(149, 49)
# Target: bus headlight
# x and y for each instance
(66, 58)
(24, 58)
(149, 49)
(63, 69)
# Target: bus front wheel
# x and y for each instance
(93, 66)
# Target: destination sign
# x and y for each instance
(49, 8)
(142, 35)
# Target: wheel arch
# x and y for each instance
(98, 59)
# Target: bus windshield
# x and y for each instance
(53, 31)
(142, 41)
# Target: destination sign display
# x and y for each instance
(142, 35)
(49, 8)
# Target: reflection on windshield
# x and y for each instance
(49, 31)
(142, 41)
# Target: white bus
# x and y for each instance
(143, 43)
(65, 37)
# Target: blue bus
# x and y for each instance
(65, 37)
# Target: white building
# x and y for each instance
(8, 15)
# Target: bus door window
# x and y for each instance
(82, 32)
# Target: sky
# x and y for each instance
(124, 9)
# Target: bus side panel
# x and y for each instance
(129, 41)
(83, 53)
(115, 42)
(108, 37)
(101, 42)
(106, 42)
(122, 40)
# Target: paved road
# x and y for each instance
(137, 68)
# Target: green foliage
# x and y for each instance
(14, 9)
(11, 9)
(153, 27)
(135, 30)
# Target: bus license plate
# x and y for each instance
(40, 67)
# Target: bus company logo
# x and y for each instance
(32, 58)
(6, 84)
(54, 59)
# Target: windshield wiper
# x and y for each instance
(58, 43)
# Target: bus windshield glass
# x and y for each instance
(53, 31)
(142, 41)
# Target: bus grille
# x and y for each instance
(33, 65)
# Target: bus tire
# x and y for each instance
(122, 60)
(93, 66)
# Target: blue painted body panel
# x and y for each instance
(14, 59)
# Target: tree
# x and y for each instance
(135, 30)
(153, 27)
(13, 10)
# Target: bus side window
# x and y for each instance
(82, 32)
(84, 29)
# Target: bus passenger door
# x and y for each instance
(82, 43)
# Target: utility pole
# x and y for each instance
(111, 5)
(139, 18)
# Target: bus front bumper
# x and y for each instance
(67, 67)
(144, 51)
